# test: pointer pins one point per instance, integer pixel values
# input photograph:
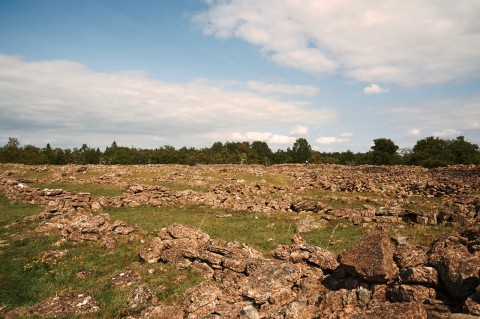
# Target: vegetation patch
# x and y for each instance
(263, 232)
(95, 190)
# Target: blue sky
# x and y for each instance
(191, 72)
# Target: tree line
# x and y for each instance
(428, 152)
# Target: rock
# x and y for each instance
(249, 312)
(371, 259)
(162, 312)
(120, 228)
(407, 310)
(152, 250)
(420, 275)
(472, 305)
(320, 257)
(456, 266)
(140, 297)
(408, 293)
(201, 300)
(410, 256)
(69, 304)
(125, 277)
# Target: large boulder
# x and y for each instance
(457, 267)
(371, 259)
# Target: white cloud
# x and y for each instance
(447, 133)
(331, 140)
(272, 88)
(299, 130)
(415, 42)
(268, 137)
(459, 117)
(281, 140)
(415, 132)
(348, 134)
(66, 101)
(374, 89)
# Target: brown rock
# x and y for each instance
(162, 312)
(472, 305)
(201, 301)
(407, 310)
(456, 266)
(408, 293)
(410, 256)
(140, 297)
(152, 250)
(422, 275)
(370, 259)
(72, 303)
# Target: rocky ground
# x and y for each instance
(377, 277)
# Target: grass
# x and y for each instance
(337, 236)
(26, 278)
(14, 212)
(422, 234)
(96, 190)
(260, 231)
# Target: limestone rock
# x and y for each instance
(370, 259)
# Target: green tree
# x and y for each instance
(384, 152)
(301, 151)
(434, 152)
(261, 152)
(11, 152)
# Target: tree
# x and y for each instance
(301, 151)
(434, 152)
(384, 152)
(11, 152)
(261, 152)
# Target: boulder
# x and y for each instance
(420, 275)
(371, 259)
(456, 266)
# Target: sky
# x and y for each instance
(150, 73)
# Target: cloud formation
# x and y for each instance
(59, 101)
(268, 137)
(331, 140)
(447, 133)
(374, 89)
(279, 88)
(415, 42)
(299, 130)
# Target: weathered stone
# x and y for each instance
(472, 305)
(422, 275)
(152, 250)
(456, 266)
(410, 256)
(72, 303)
(201, 300)
(249, 312)
(370, 259)
(140, 297)
(407, 310)
(408, 293)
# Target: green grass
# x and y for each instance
(26, 278)
(14, 212)
(95, 190)
(336, 236)
(33, 174)
(262, 232)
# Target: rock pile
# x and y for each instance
(372, 279)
